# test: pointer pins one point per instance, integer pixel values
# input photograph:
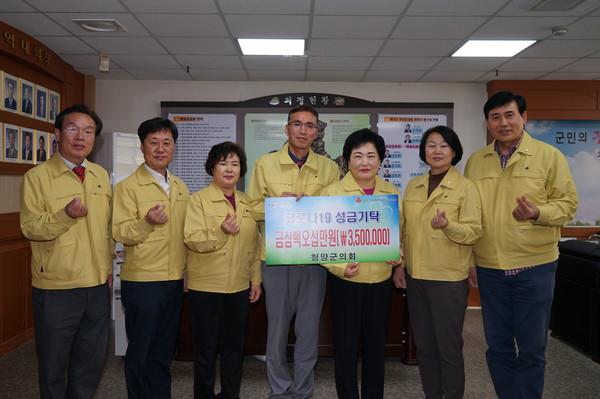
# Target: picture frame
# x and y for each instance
(41, 103)
(53, 105)
(12, 138)
(41, 146)
(10, 93)
(27, 90)
(27, 145)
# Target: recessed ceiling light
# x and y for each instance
(272, 46)
(100, 25)
(492, 48)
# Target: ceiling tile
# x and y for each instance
(265, 26)
(572, 76)
(341, 47)
(455, 7)
(205, 45)
(15, 6)
(450, 77)
(335, 76)
(519, 8)
(77, 5)
(520, 27)
(561, 48)
(339, 63)
(33, 24)
(276, 75)
(170, 7)
(360, 7)
(184, 25)
(469, 64)
(133, 27)
(587, 28)
(419, 48)
(436, 27)
(125, 45)
(210, 61)
(141, 61)
(404, 63)
(264, 7)
(66, 45)
(539, 64)
(586, 65)
(510, 76)
(347, 27)
(273, 62)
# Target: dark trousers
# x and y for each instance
(360, 314)
(516, 317)
(437, 314)
(71, 335)
(218, 320)
(152, 315)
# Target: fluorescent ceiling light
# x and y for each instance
(272, 46)
(492, 48)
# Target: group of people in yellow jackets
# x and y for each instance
(496, 228)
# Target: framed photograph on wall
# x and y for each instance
(27, 137)
(41, 152)
(53, 144)
(27, 98)
(10, 93)
(41, 103)
(11, 143)
(54, 105)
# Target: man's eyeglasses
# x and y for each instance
(74, 130)
(297, 125)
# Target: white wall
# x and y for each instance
(123, 105)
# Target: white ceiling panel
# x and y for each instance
(339, 63)
(419, 48)
(125, 45)
(347, 40)
(360, 7)
(348, 27)
(207, 45)
(572, 76)
(404, 63)
(141, 61)
(267, 26)
(264, 7)
(436, 27)
(342, 47)
(210, 61)
(171, 7)
(455, 7)
(184, 25)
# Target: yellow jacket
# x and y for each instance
(541, 173)
(370, 272)
(219, 262)
(152, 253)
(276, 173)
(67, 253)
(440, 254)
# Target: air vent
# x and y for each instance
(554, 5)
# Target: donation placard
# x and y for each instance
(341, 229)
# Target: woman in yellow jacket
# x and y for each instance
(223, 271)
(442, 220)
(361, 293)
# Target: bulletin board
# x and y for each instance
(258, 125)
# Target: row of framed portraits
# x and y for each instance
(24, 145)
(29, 99)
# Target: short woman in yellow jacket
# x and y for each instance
(361, 293)
(442, 220)
(223, 271)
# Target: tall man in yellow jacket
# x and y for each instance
(527, 194)
(148, 217)
(65, 212)
(293, 171)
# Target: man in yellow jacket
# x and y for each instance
(148, 218)
(65, 212)
(527, 194)
(293, 171)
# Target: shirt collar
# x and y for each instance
(70, 164)
(159, 178)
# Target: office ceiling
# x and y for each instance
(347, 40)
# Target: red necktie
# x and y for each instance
(80, 172)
